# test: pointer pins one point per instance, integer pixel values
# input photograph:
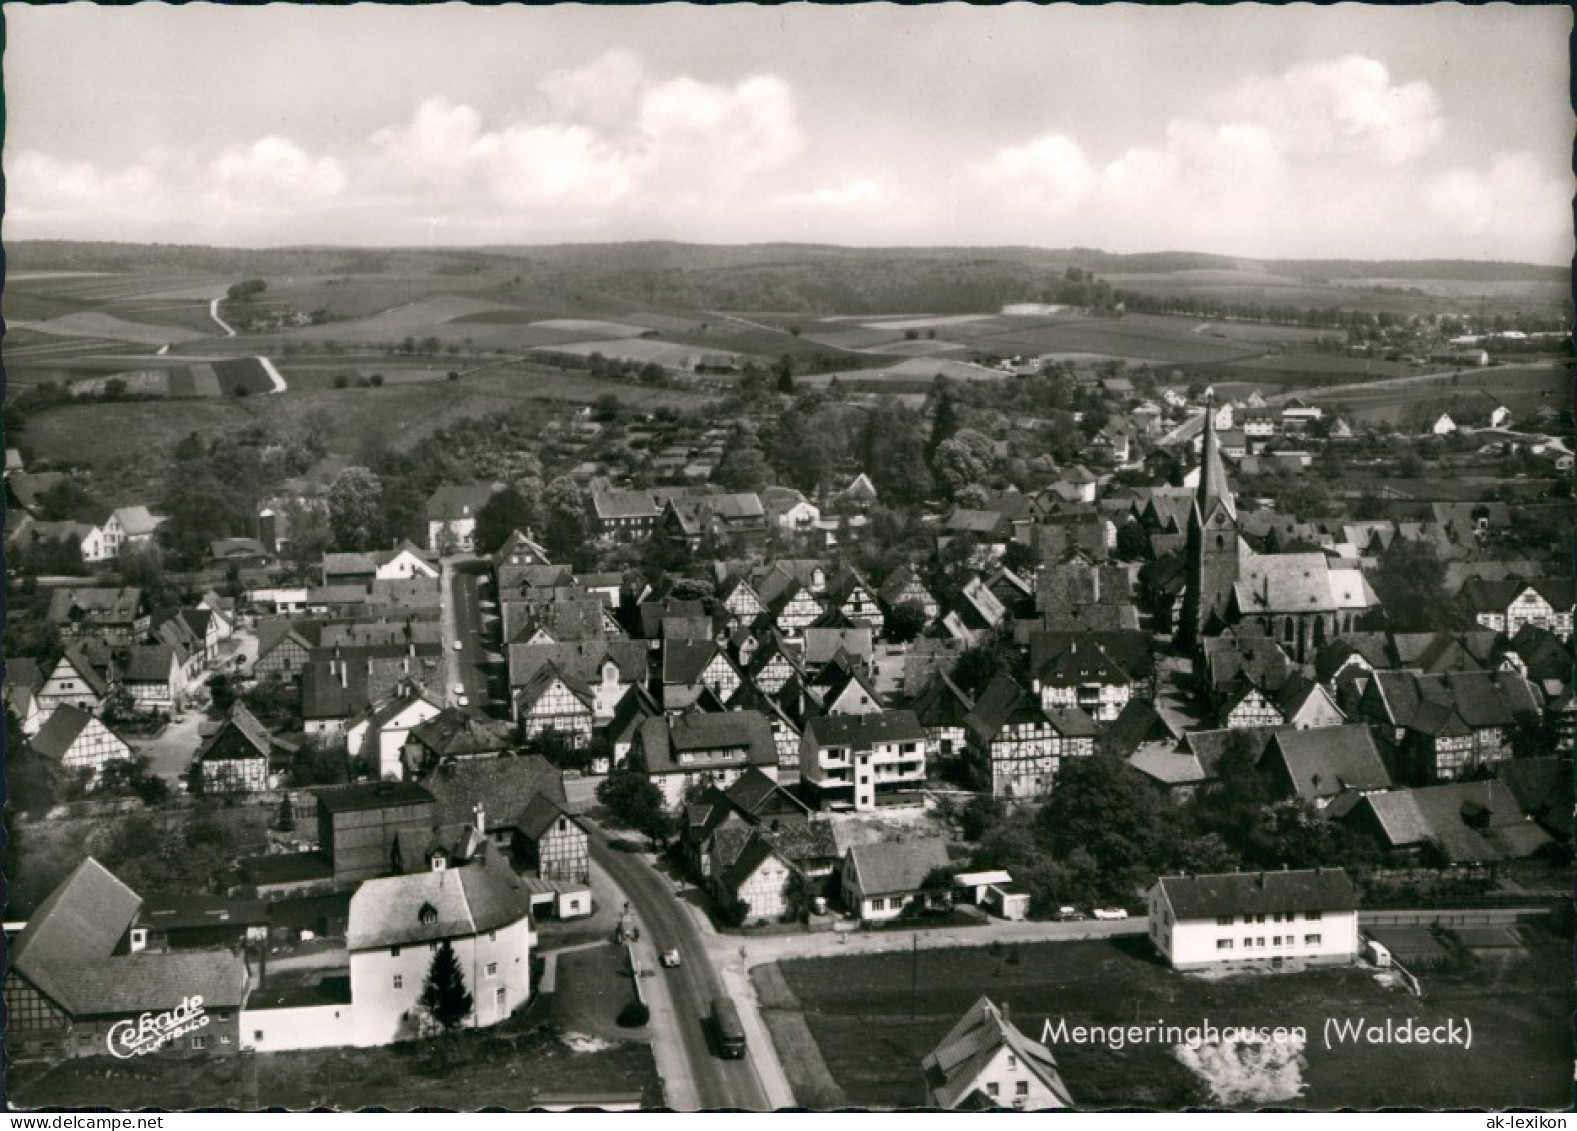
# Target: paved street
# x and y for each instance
(694, 1077)
(464, 619)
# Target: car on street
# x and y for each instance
(1111, 913)
(1069, 914)
(459, 689)
(459, 646)
(670, 958)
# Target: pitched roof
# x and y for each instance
(664, 739)
(823, 644)
(505, 787)
(896, 867)
(79, 923)
(1326, 761)
(148, 663)
(457, 502)
(582, 659)
(461, 732)
(539, 816)
(865, 730)
(481, 896)
(1003, 702)
(754, 852)
(134, 983)
(752, 791)
(96, 605)
(1244, 893)
(1469, 822)
(371, 795)
(952, 1069)
(64, 727)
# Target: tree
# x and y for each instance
(221, 689)
(1410, 582)
(504, 512)
(965, 457)
(1534, 734)
(286, 821)
(944, 417)
(743, 467)
(1105, 807)
(563, 519)
(444, 996)
(355, 497)
(310, 537)
(638, 804)
(32, 780)
(905, 622)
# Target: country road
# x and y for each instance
(213, 312)
(694, 1077)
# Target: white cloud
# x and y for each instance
(1339, 106)
(857, 195)
(276, 172)
(1049, 175)
(1511, 203)
(604, 94)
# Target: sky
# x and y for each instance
(1346, 131)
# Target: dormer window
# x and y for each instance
(428, 915)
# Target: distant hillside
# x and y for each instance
(812, 278)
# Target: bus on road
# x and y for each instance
(729, 1032)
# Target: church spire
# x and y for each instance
(1212, 472)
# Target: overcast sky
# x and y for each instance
(1348, 131)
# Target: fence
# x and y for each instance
(1455, 917)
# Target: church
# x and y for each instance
(1297, 599)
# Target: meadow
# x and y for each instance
(872, 1031)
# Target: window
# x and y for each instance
(1246, 943)
(991, 1089)
(1012, 1061)
(1276, 941)
(1312, 916)
(1223, 920)
(1311, 940)
(394, 952)
(257, 1034)
(492, 969)
(1021, 1088)
(1260, 941)
(492, 936)
(1223, 944)
(399, 981)
(224, 1039)
(222, 1016)
(199, 1043)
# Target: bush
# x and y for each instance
(634, 1015)
(341, 381)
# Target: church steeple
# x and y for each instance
(1213, 487)
(1212, 567)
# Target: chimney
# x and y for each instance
(481, 818)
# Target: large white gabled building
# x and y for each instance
(1255, 918)
(482, 909)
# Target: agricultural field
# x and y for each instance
(406, 408)
(916, 371)
(1523, 389)
(872, 1031)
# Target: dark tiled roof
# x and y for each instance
(371, 795)
(896, 867)
(663, 739)
(505, 787)
(79, 924)
(134, 983)
(1326, 761)
(865, 730)
(55, 737)
(1258, 893)
(952, 1070)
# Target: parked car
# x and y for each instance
(459, 646)
(1111, 913)
(1070, 914)
(670, 958)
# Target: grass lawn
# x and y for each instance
(507, 1066)
(859, 1010)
